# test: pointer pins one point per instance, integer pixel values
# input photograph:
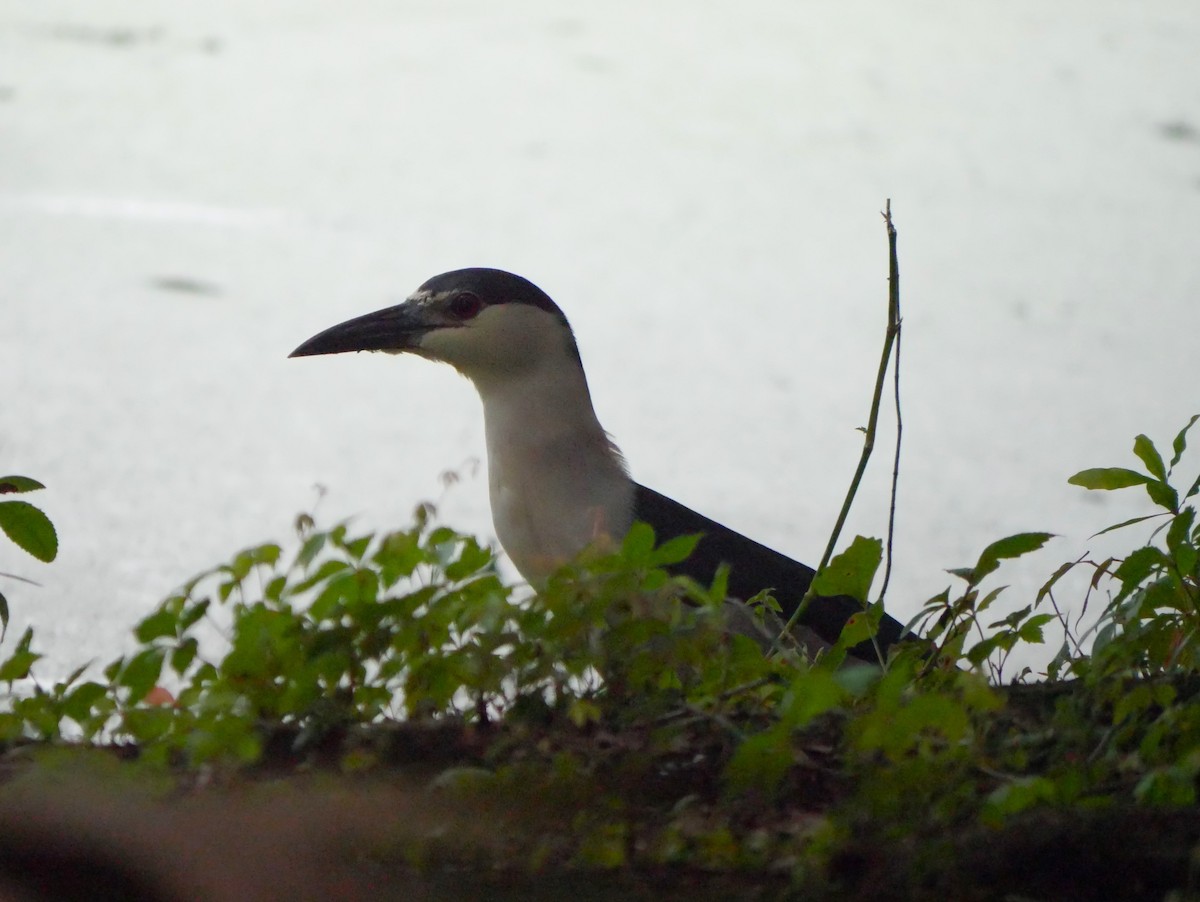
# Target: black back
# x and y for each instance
(754, 567)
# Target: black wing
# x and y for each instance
(752, 568)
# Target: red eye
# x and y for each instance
(465, 305)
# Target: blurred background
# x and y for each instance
(189, 190)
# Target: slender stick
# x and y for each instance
(893, 331)
(893, 319)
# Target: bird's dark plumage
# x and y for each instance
(754, 567)
(493, 286)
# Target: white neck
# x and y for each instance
(557, 482)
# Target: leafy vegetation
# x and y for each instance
(648, 734)
(28, 527)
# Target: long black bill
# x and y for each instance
(393, 329)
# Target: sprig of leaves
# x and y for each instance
(28, 528)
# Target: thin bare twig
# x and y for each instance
(893, 318)
(890, 336)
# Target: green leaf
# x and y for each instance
(674, 550)
(23, 657)
(1031, 630)
(182, 657)
(1163, 495)
(324, 572)
(1124, 523)
(273, 591)
(141, 672)
(857, 679)
(986, 602)
(638, 543)
(1006, 549)
(1148, 454)
(852, 571)
(29, 528)
(266, 554)
(1180, 442)
(14, 484)
(309, 550)
(3, 616)
(719, 589)
(80, 701)
(1109, 478)
(857, 628)
(811, 695)
(1179, 532)
(191, 614)
(356, 548)
(761, 761)
(1058, 574)
(148, 724)
(162, 622)
(18, 665)
(1137, 566)
(1017, 795)
(1186, 558)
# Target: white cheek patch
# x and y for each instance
(503, 338)
(443, 344)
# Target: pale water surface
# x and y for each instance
(188, 190)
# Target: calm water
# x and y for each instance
(187, 192)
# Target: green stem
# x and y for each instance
(893, 331)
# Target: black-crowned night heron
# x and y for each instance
(557, 481)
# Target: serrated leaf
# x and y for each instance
(1180, 443)
(29, 528)
(17, 484)
(1058, 574)
(1108, 478)
(986, 602)
(1031, 630)
(852, 571)
(1008, 548)
(1148, 454)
